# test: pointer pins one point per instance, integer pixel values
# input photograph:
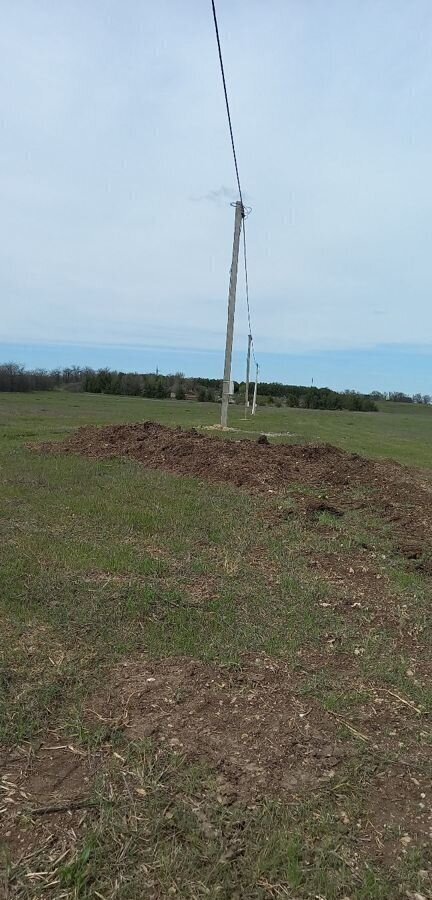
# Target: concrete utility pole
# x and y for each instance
(231, 309)
(254, 402)
(247, 374)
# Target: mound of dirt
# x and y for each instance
(251, 464)
(402, 495)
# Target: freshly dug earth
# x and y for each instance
(403, 496)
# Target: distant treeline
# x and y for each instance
(177, 386)
(160, 387)
(14, 377)
(316, 398)
(399, 397)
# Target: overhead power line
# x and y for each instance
(226, 100)
(247, 288)
(245, 212)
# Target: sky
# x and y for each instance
(116, 179)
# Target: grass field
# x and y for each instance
(108, 569)
(398, 431)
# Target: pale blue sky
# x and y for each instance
(116, 177)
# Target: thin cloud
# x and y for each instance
(222, 194)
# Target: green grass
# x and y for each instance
(100, 560)
(398, 431)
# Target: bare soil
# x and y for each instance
(263, 737)
(46, 792)
(260, 733)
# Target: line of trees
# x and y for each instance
(129, 384)
(303, 397)
(400, 397)
(14, 377)
(160, 387)
(207, 389)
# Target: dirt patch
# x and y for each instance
(359, 583)
(45, 791)
(248, 723)
(401, 495)
(264, 736)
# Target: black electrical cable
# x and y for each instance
(244, 211)
(226, 100)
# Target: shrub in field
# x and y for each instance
(202, 394)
